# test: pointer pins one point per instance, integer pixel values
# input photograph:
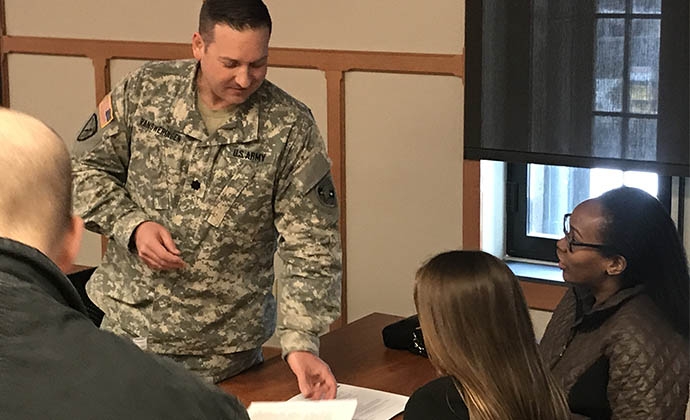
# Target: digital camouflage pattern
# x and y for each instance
(258, 185)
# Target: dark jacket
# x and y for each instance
(438, 400)
(621, 360)
(55, 364)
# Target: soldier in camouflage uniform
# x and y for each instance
(199, 171)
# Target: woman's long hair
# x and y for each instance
(477, 330)
(638, 227)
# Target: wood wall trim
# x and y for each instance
(388, 62)
(325, 60)
(335, 105)
(544, 296)
(3, 21)
(74, 47)
(4, 78)
(101, 66)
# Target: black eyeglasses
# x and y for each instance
(569, 237)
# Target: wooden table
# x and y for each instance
(356, 355)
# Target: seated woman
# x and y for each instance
(618, 341)
(478, 333)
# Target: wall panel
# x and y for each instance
(61, 97)
(404, 183)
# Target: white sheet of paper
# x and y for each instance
(339, 409)
(372, 404)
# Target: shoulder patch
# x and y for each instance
(105, 111)
(326, 192)
(89, 129)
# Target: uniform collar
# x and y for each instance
(242, 127)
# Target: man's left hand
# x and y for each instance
(314, 377)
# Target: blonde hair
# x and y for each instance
(478, 331)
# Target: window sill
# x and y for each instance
(542, 284)
(536, 271)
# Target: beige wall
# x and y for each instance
(404, 171)
(131, 20)
(435, 26)
(404, 132)
(539, 321)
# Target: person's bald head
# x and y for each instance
(36, 183)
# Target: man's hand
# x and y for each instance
(156, 248)
(314, 377)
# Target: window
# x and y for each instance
(539, 195)
(626, 75)
(599, 83)
(623, 119)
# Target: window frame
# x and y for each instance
(521, 245)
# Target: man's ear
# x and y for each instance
(616, 265)
(198, 45)
(71, 242)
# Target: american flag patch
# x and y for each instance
(105, 111)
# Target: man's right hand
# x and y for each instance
(156, 248)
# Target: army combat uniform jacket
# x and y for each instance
(230, 199)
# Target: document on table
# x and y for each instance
(303, 410)
(370, 404)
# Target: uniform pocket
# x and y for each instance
(230, 193)
(147, 176)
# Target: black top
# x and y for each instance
(55, 364)
(588, 396)
(438, 400)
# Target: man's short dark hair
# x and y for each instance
(240, 15)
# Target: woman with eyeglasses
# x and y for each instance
(618, 341)
(478, 334)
